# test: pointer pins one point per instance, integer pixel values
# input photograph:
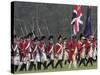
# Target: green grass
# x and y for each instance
(65, 68)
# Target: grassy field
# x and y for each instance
(65, 68)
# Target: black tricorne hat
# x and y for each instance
(42, 38)
(50, 37)
(81, 35)
(74, 37)
(30, 34)
(15, 35)
(64, 38)
(36, 38)
(59, 37)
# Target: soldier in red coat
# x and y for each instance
(37, 53)
(25, 47)
(72, 52)
(26, 50)
(65, 50)
(32, 58)
(22, 45)
(42, 48)
(30, 49)
(50, 51)
(79, 47)
(21, 48)
(83, 52)
(91, 50)
(59, 52)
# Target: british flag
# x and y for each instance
(76, 19)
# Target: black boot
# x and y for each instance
(16, 67)
(58, 63)
(39, 65)
(45, 64)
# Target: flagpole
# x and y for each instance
(88, 27)
(72, 27)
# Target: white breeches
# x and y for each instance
(37, 59)
(60, 56)
(43, 57)
(52, 56)
(65, 56)
(16, 60)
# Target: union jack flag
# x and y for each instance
(76, 19)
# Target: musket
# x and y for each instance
(22, 31)
(24, 24)
(37, 22)
(26, 30)
(33, 30)
(41, 34)
(20, 25)
(33, 23)
(47, 28)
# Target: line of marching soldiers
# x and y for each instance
(28, 53)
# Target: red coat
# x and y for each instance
(79, 46)
(70, 54)
(25, 43)
(22, 46)
(58, 48)
(87, 44)
(93, 43)
(40, 45)
(69, 45)
(72, 45)
(48, 48)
